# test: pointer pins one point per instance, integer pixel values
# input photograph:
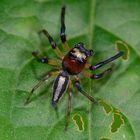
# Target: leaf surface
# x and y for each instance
(99, 24)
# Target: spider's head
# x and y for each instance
(80, 53)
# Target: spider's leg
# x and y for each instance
(97, 76)
(62, 30)
(68, 110)
(56, 111)
(45, 60)
(52, 43)
(100, 75)
(53, 73)
(102, 63)
(69, 105)
(79, 88)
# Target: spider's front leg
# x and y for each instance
(52, 73)
(123, 52)
(102, 63)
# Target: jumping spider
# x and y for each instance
(73, 64)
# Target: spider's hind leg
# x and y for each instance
(62, 30)
(79, 88)
(68, 105)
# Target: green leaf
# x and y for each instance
(99, 24)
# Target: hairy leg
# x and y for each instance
(98, 76)
(52, 73)
(102, 63)
(45, 60)
(79, 88)
(62, 30)
(53, 44)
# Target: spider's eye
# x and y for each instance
(80, 46)
(71, 54)
(89, 53)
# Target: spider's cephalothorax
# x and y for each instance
(73, 64)
(75, 60)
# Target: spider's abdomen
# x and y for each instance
(60, 85)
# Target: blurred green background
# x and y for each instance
(97, 23)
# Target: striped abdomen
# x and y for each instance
(60, 85)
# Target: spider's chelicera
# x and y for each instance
(73, 63)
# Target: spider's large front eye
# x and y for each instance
(89, 53)
(71, 54)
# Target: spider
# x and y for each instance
(73, 64)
